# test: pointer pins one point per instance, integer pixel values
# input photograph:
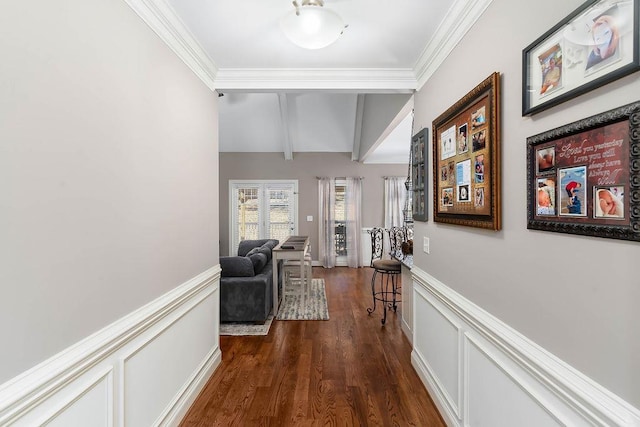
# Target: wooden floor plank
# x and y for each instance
(349, 370)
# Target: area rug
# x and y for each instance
(315, 305)
(239, 329)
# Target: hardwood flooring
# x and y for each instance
(347, 371)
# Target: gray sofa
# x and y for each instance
(246, 283)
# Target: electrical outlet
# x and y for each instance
(425, 245)
(309, 218)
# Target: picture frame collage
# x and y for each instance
(594, 45)
(466, 153)
(584, 177)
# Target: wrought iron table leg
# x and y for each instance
(384, 288)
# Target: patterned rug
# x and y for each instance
(246, 328)
(315, 306)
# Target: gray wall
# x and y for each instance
(305, 167)
(108, 173)
(575, 296)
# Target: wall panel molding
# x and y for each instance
(550, 383)
(49, 389)
(422, 345)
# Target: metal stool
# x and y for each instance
(389, 270)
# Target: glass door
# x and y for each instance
(340, 215)
(262, 210)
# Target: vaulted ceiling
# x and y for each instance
(352, 96)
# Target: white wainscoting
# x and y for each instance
(145, 369)
(481, 372)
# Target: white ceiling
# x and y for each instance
(280, 97)
(246, 33)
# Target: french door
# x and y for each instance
(262, 210)
(340, 217)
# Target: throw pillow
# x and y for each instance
(265, 250)
(236, 266)
(253, 251)
(271, 243)
(259, 261)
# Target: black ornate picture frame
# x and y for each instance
(419, 156)
(594, 45)
(584, 177)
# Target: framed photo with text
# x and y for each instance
(596, 44)
(466, 156)
(584, 178)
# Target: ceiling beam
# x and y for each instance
(347, 80)
(357, 134)
(286, 126)
(406, 109)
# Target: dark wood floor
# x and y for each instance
(349, 370)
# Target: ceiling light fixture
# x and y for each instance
(311, 26)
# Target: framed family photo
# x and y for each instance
(596, 44)
(584, 178)
(466, 153)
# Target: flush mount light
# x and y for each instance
(311, 26)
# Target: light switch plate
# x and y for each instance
(309, 218)
(425, 244)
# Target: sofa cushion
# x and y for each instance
(259, 261)
(236, 266)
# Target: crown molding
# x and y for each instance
(161, 18)
(372, 80)
(458, 21)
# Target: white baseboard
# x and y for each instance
(481, 371)
(185, 398)
(141, 370)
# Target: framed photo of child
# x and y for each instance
(594, 45)
(590, 187)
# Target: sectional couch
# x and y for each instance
(246, 284)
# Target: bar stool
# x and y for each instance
(397, 235)
(389, 270)
(291, 269)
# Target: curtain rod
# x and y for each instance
(339, 177)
